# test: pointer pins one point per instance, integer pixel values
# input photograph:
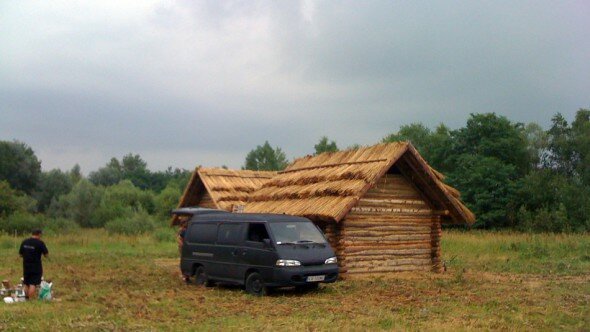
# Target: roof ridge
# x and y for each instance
(333, 165)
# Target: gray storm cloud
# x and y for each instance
(185, 83)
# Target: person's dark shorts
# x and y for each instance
(32, 278)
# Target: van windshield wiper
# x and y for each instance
(306, 241)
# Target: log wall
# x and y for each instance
(206, 201)
(391, 229)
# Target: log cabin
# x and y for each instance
(381, 207)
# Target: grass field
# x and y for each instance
(493, 281)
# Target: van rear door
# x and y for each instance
(198, 247)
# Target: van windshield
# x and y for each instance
(296, 232)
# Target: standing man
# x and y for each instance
(180, 240)
(31, 250)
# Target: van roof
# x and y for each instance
(259, 217)
(191, 211)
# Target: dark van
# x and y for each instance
(259, 251)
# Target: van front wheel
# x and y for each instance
(255, 284)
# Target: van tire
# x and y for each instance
(255, 284)
(201, 277)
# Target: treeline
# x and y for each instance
(123, 196)
(510, 174)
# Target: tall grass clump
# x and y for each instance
(164, 235)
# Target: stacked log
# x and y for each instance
(391, 229)
(436, 236)
(206, 201)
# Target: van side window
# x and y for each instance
(202, 233)
(257, 233)
(230, 234)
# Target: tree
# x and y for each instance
(487, 186)
(135, 169)
(325, 146)
(167, 200)
(122, 200)
(561, 154)
(494, 136)
(75, 174)
(52, 184)
(12, 201)
(537, 144)
(80, 204)
(109, 175)
(581, 145)
(19, 166)
(418, 134)
(265, 158)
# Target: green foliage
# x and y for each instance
(487, 186)
(433, 146)
(265, 158)
(543, 220)
(134, 169)
(19, 166)
(490, 135)
(325, 146)
(416, 133)
(60, 226)
(581, 143)
(139, 223)
(159, 180)
(128, 195)
(537, 144)
(21, 223)
(167, 200)
(52, 184)
(75, 174)
(108, 175)
(80, 204)
(12, 201)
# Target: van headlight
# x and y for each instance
(288, 262)
(331, 260)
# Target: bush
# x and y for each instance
(12, 201)
(167, 200)
(544, 220)
(107, 212)
(21, 222)
(79, 204)
(139, 223)
(61, 226)
(128, 195)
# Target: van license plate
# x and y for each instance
(315, 278)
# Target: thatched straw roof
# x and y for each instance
(327, 186)
(227, 188)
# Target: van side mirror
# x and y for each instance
(267, 243)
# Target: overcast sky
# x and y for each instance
(184, 83)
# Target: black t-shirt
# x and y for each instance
(31, 249)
